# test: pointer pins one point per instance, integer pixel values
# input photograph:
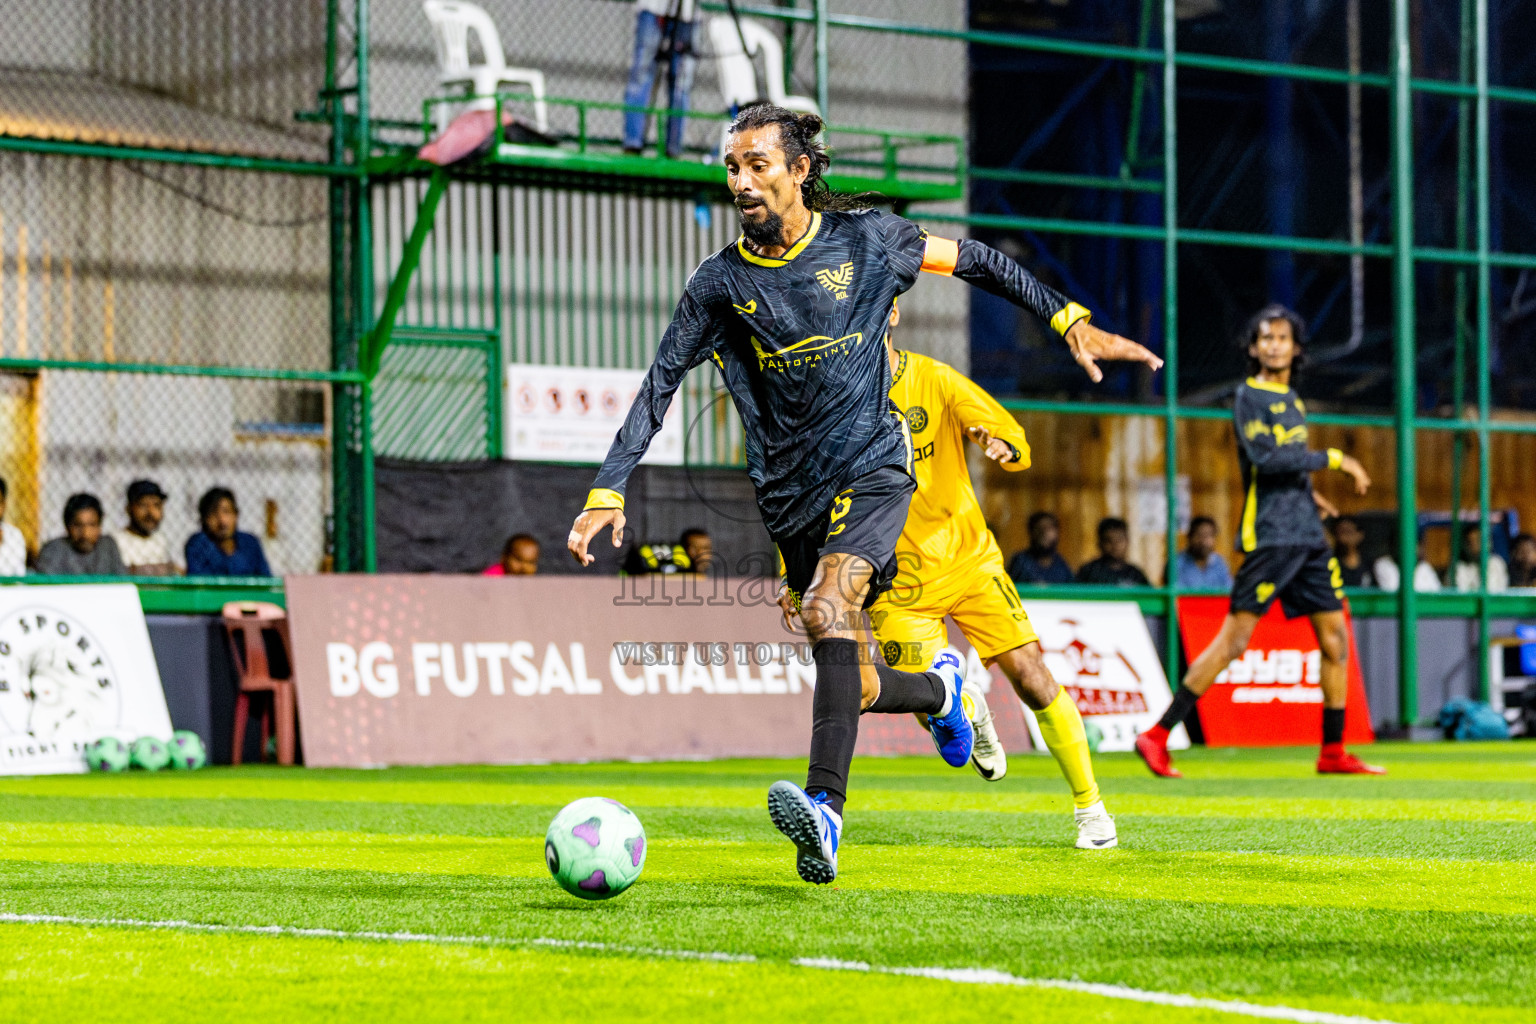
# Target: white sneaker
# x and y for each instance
(987, 754)
(1095, 828)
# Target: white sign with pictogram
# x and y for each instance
(570, 414)
(75, 665)
(1102, 654)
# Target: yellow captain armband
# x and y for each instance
(1065, 318)
(602, 497)
(1335, 458)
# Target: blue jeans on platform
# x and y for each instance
(650, 30)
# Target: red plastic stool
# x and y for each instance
(249, 620)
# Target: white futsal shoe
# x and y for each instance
(1095, 828)
(987, 754)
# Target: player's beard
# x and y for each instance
(765, 232)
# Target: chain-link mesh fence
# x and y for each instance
(599, 280)
(165, 316)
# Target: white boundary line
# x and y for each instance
(957, 975)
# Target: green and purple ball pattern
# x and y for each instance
(595, 848)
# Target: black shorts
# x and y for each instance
(1305, 579)
(865, 519)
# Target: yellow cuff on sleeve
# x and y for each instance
(1335, 458)
(1065, 318)
(602, 497)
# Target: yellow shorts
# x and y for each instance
(983, 601)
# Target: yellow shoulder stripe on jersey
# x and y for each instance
(1265, 385)
(602, 497)
(794, 250)
(1064, 318)
(1335, 458)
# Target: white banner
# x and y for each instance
(570, 414)
(1102, 654)
(75, 665)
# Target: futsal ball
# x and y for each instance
(108, 754)
(1094, 735)
(595, 848)
(186, 750)
(150, 754)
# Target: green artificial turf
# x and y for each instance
(1406, 898)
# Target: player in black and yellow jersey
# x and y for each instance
(1287, 555)
(793, 315)
(949, 564)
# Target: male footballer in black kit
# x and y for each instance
(794, 316)
(1288, 557)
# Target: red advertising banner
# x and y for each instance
(477, 670)
(1270, 697)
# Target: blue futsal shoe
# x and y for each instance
(811, 825)
(952, 732)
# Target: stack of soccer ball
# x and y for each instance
(110, 754)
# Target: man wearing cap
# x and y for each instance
(143, 547)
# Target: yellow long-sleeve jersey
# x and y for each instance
(945, 527)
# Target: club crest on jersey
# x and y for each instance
(917, 419)
(837, 281)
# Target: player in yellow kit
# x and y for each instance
(950, 564)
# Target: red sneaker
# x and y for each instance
(1344, 763)
(1156, 756)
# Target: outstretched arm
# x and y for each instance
(984, 267)
(687, 343)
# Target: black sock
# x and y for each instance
(906, 692)
(1333, 725)
(1183, 700)
(834, 719)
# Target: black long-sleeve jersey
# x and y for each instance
(1277, 466)
(800, 343)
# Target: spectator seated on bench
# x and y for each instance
(221, 549)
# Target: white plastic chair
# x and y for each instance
(452, 22)
(738, 72)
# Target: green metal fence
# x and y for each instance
(1159, 66)
(167, 289)
(1474, 419)
(138, 287)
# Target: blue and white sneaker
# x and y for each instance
(951, 730)
(811, 825)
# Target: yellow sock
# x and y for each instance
(1062, 728)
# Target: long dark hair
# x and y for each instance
(800, 135)
(1275, 311)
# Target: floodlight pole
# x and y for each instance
(1405, 350)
